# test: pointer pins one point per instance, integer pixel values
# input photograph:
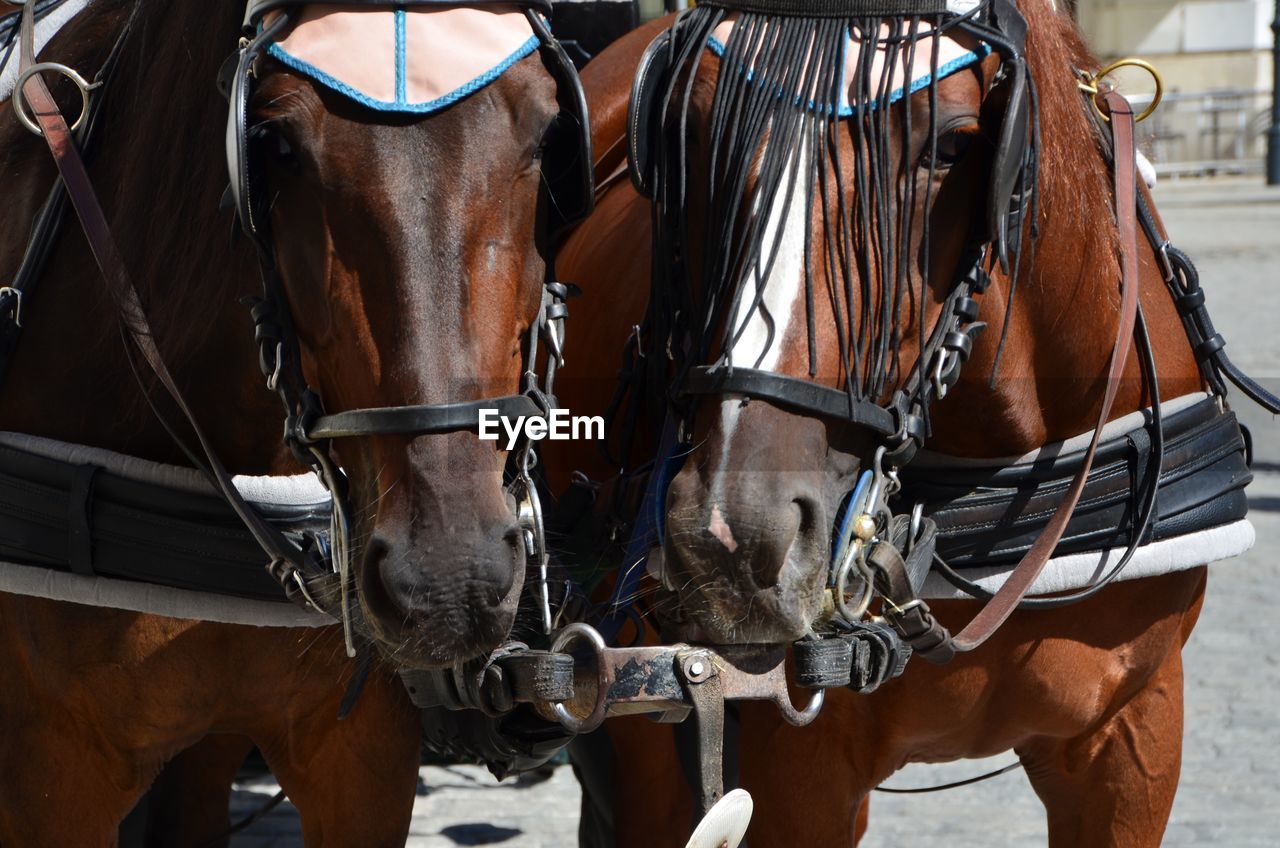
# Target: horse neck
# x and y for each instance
(1063, 323)
(158, 169)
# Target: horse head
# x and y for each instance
(822, 184)
(410, 232)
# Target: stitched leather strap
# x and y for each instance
(792, 392)
(420, 420)
(1024, 574)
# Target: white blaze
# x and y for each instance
(783, 286)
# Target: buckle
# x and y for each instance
(17, 303)
(899, 611)
(1166, 264)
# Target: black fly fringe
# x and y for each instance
(773, 139)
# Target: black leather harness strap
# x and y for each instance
(789, 391)
(419, 420)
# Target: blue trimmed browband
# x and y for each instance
(945, 70)
(402, 104)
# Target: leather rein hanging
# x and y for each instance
(1024, 574)
(79, 188)
(909, 615)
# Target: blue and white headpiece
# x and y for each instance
(416, 59)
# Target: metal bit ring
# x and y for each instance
(20, 99)
(564, 639)
(799, 718)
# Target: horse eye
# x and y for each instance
(280, 149)
(274, 145)
(950, 148)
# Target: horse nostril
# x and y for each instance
(810, 512)
(518, 539)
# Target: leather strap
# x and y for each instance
(84, 200)
(1024, 574)
(793, 392)
(419, 420)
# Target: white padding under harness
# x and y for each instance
(1077, 571)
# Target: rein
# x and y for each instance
(1000, 607)
(289, 562)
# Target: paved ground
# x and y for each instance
(1230, 788)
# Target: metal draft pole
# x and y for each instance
(1273, 134)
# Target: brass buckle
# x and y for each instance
(1089, 85)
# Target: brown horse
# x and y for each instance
(406, 288)
(1089, 696)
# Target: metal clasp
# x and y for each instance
(273, 381)
(943, 363)
(870, 513)
(529, 517)
(17, 303)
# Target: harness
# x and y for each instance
(888, 553)
(311, 569)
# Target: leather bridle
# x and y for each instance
(304, 570)
(308, 429)
(306, 425)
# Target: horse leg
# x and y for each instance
(189, 800)
(353, 781)
(863, 820)
(1114, 785)
(804, 780)
(60, 787)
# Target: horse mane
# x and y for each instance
(157, 160)
(1071, 196)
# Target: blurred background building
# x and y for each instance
(1216, 59)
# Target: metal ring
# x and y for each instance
(565, 638)
(1128, 62)
(19, 98)
(537, 529)
(852, 614)
(799, 718)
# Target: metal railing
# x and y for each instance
(1207, 132)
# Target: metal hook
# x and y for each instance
(274, 380)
